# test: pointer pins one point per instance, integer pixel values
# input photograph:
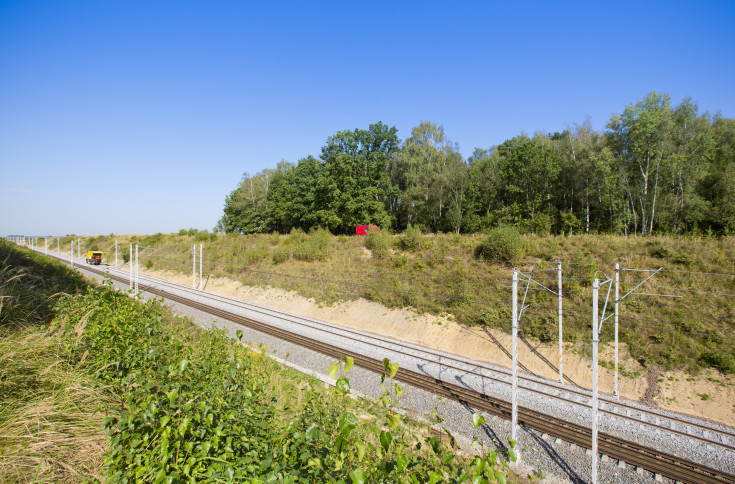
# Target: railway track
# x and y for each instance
(632, 453)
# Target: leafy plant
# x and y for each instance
(502, 243)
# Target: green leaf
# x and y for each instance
(339, 444)
(434, 477)
(394, 419)
(402, 462)
(343, 385)
(239, 334)
(512, 455)
(492, 456)
(500, 477)
(182, 365)
(477, 420)
(512, 443)
(349, 362)
(333, 369)
(399, 390)
(447, 457)
(386, 363)
(347, 423)
(385, 439)
(265, 464)
(358, 476)
(360, 450)
(312, 431)
(393, 369)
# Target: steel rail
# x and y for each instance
(620, 406)
(632, 453)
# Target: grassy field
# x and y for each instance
(681, 318)
(98, 386)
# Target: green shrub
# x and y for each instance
(412, 239)
(280, 255)
(182, 232)
(660, 251)
(441, 246)
(379, 243)
(502, 243)
(313, 247)
(297, 236)
(725, 362)
(201, 236)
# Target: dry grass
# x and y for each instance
(51, 413)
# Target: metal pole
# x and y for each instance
(201, 257)
(116, 254)
(595, 341)
(71, 256)
(131, 266)
(136, 269)
(45, 245)
(617, 289)
(561, 345)
(194, 266)
(514, 391)
(58, 245)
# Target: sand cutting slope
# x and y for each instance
(711, 395)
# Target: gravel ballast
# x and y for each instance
(556, 459)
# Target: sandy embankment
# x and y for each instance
(710, 395)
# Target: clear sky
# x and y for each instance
(141, 116)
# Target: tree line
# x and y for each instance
(655, 169)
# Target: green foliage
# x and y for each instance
(379, 243)
(412, 239)
(575, 181)
(313, 247)
(201, 409)
(725, 362)
(280, 255)
(501, 244)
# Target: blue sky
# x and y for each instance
(141, 116)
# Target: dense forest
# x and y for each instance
(655, 169)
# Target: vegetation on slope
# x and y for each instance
(682, 320)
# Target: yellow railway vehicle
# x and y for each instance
(94, 257)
